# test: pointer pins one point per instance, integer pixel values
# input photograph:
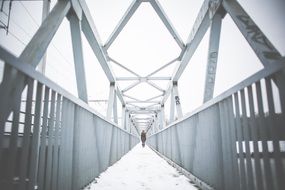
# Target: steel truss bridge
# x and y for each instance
(50, 139)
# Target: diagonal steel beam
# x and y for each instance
(142, 78)
(155, 86)
(164, 18)
(122, 66)
(200, 27)
(147, 102)
(124, 20)
(162, 67)
(90, 31)
(14, 82)
(91, 34)
(131, 97)
(37, 46)
(131, 86)
(158, 96)
(260, 44)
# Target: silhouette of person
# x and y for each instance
(143, 137)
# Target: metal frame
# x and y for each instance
(219, 120)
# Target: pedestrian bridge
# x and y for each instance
(51, 139)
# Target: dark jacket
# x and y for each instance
(143, 136)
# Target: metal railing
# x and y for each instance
(54, 140)
(236, 140)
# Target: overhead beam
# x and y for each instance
(164, 18)
(157, 102)
(124, 20)
(142, 78)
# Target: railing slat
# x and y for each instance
(42, 156)
(27, 136)
(275, 134)
(12, 162)
(264, 138)
(35, 139)
(56, 143)
(254, 137)
(50, 145)
(241, 159)
(227, 178)
(246, 132)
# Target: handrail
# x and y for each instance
(28, 70)
(278, 66)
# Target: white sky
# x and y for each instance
(145, 44)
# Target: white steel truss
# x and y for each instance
(77, 11)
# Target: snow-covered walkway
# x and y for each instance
(141, 169)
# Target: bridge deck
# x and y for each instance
(141, 169)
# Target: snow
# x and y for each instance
(141, 169)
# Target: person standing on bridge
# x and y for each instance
(143, 137)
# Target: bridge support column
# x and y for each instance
(75, 28)
(175, 103)
(212, 56)
(123, 118)
(162, 117)
(111, 100)
(177, 100)
(46, 9)
(115, 108)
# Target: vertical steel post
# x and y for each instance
(177, 100)
(75, 27)
(45, 12)
(172, 108)
(123, 120)
(162, 117)
(115, 110)
(111, 100)
(212, 56)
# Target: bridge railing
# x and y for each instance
(51, 139)
(234, 141)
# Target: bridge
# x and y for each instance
(51, 138)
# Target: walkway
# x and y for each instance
(141, 169)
